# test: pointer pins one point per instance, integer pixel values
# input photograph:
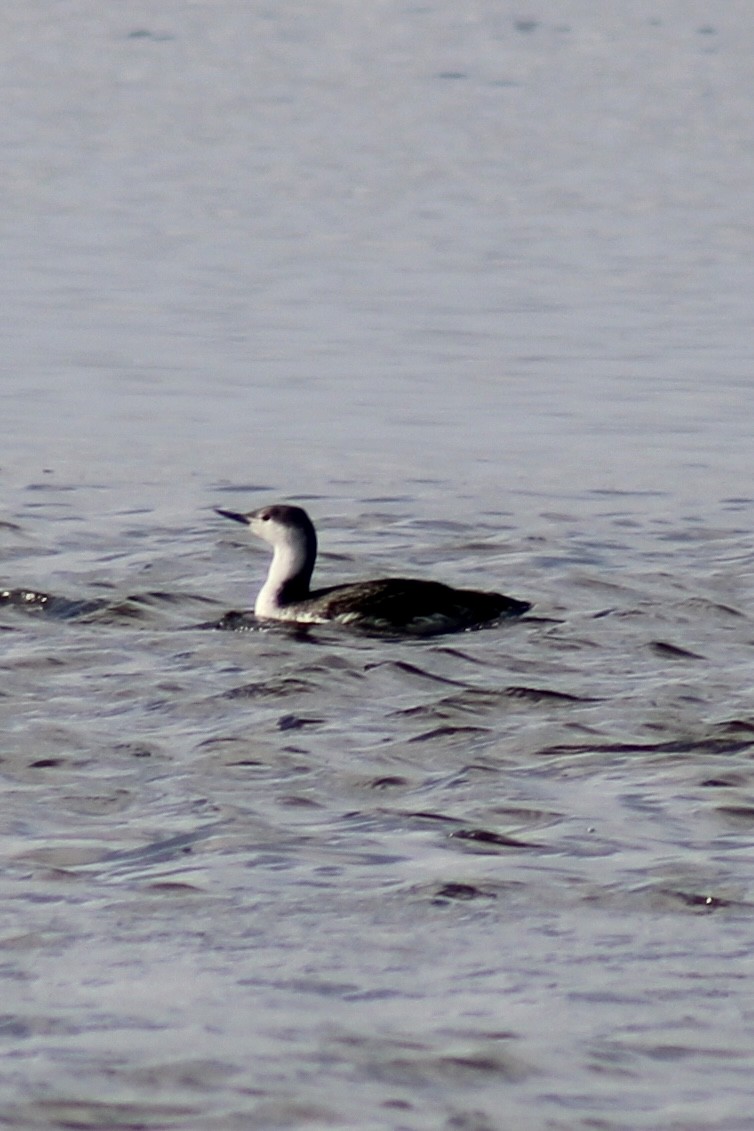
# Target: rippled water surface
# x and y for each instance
(473, 285)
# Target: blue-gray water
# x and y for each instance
(472, 283)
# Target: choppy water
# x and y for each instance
(474, 287)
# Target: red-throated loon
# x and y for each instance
(391, 604)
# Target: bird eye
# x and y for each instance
(265, 518)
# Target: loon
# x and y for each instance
(391, 604)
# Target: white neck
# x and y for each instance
(289, 575)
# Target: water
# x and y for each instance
(473, 285)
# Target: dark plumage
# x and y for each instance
(406, 603)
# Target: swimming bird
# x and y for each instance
(391, 604)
